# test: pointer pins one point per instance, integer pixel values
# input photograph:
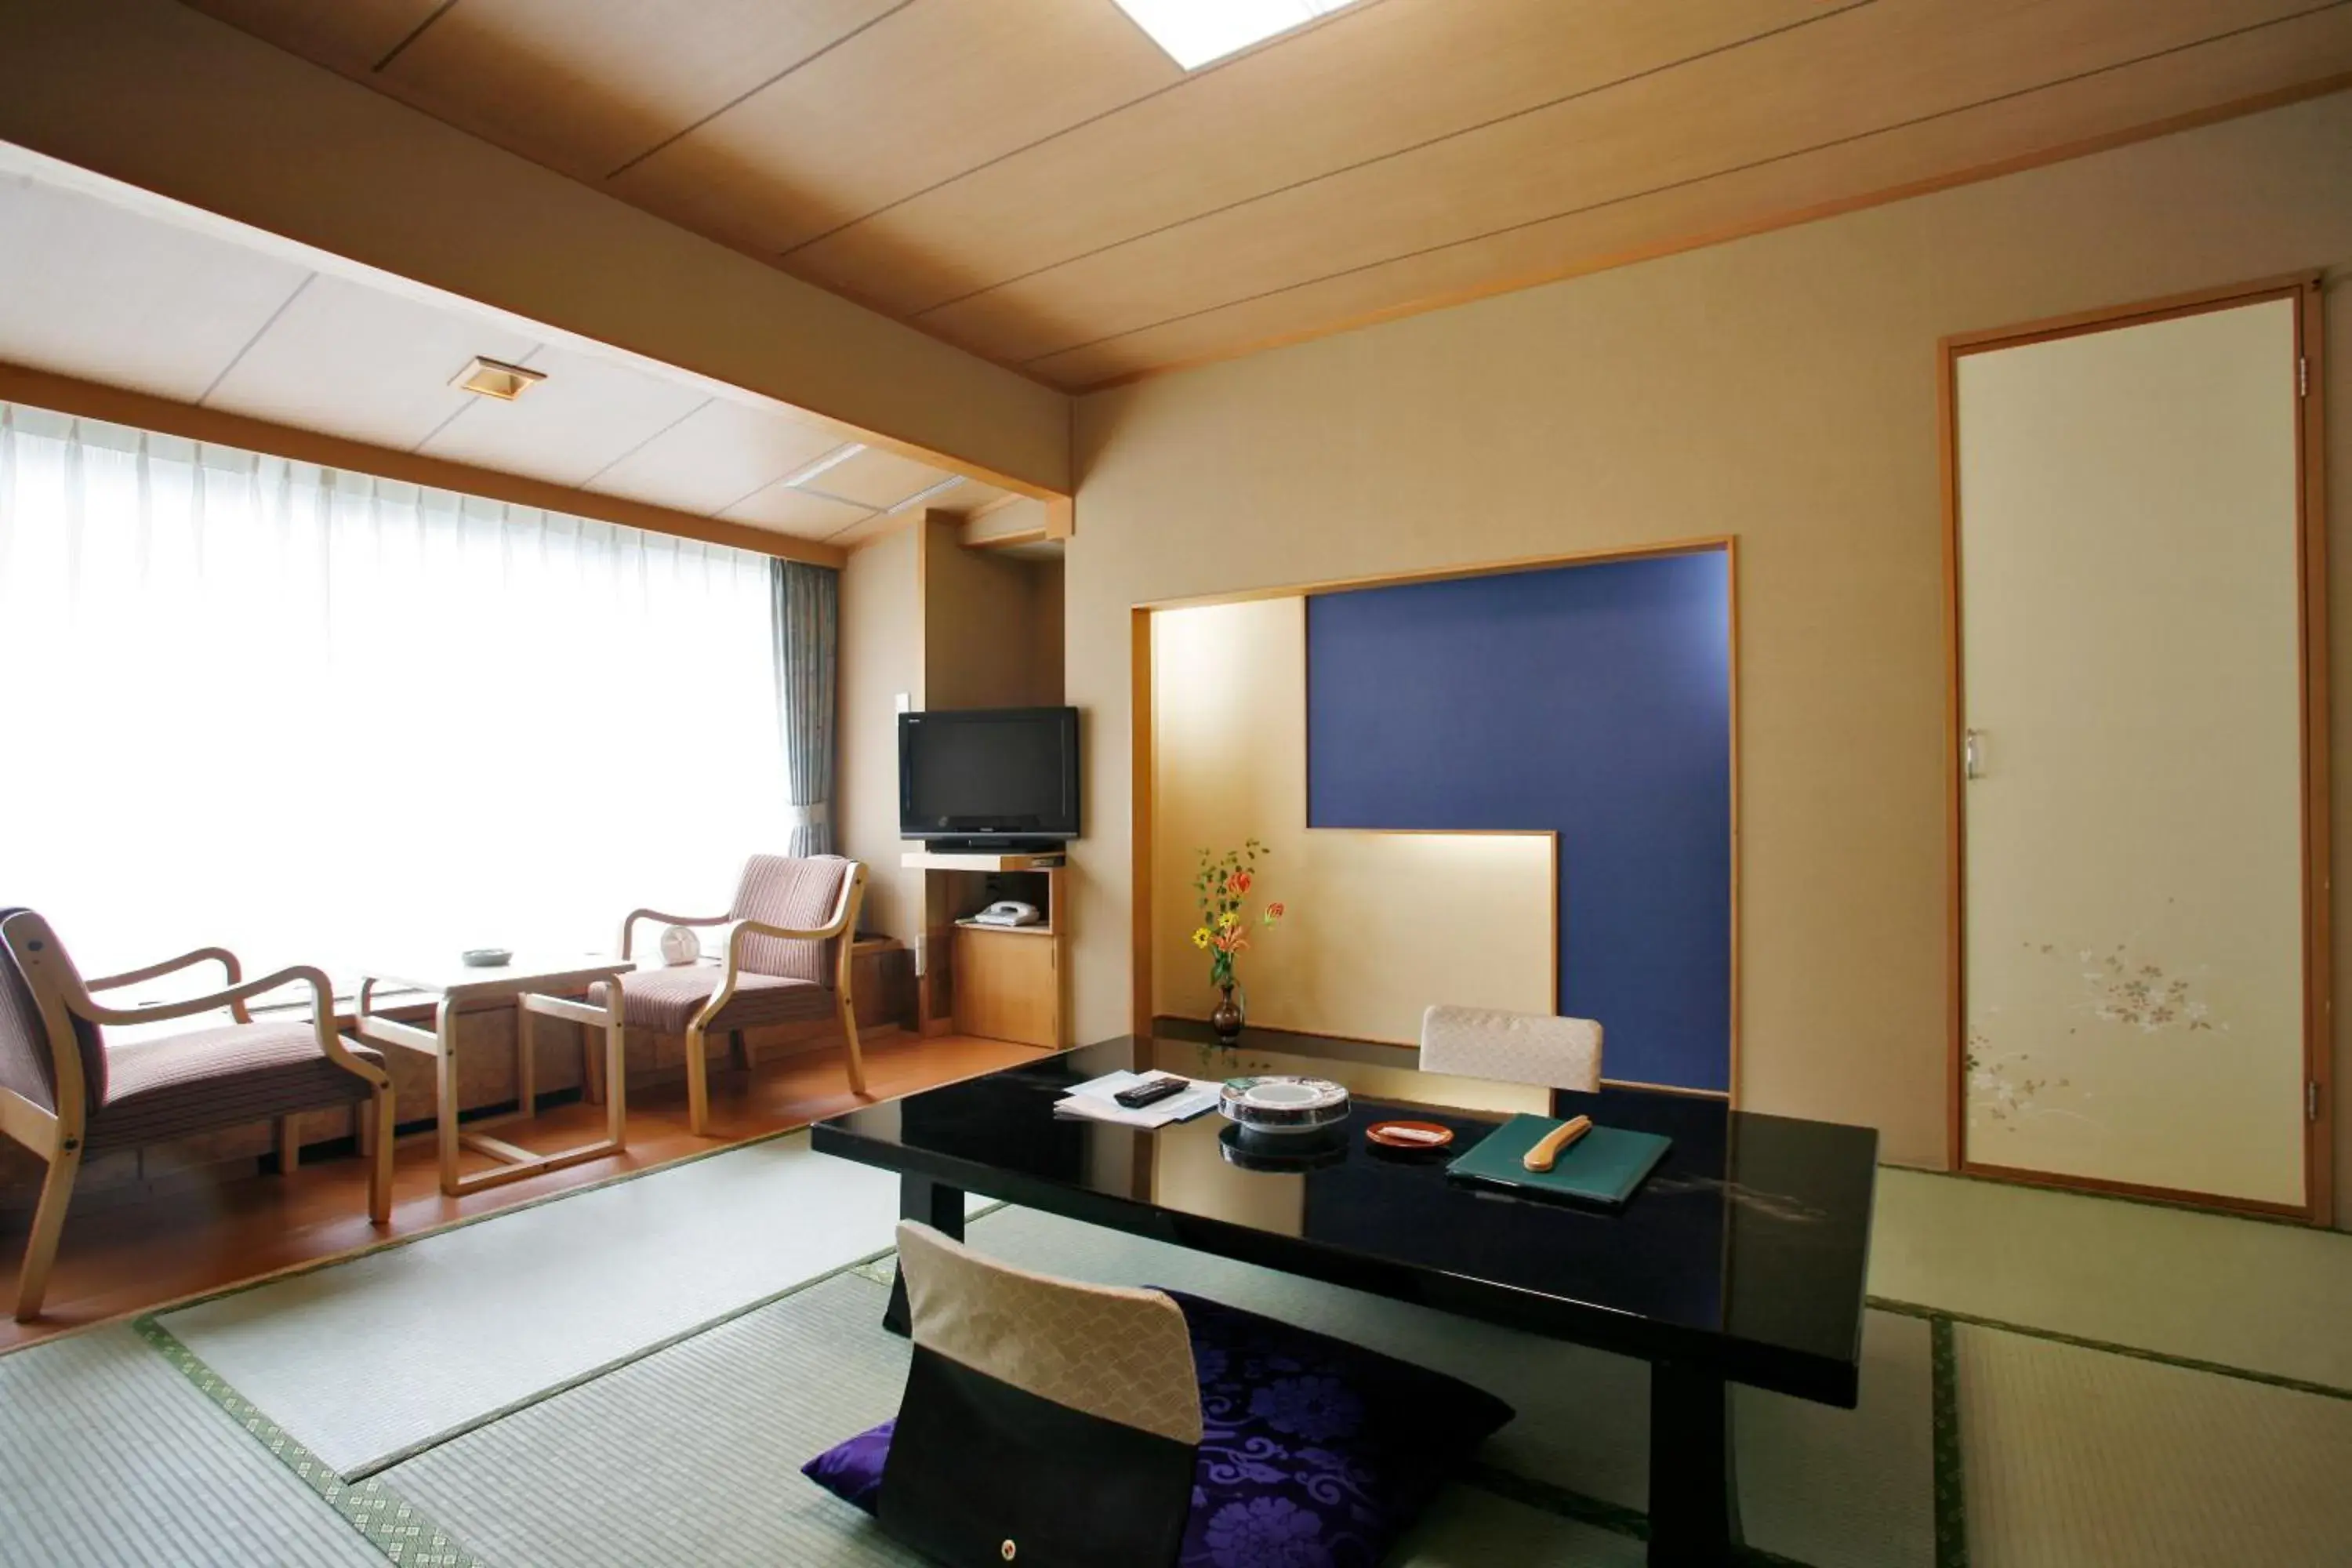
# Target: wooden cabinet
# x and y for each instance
(1008, 984)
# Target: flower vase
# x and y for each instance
(1228, 1019)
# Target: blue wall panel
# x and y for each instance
(1592, 700)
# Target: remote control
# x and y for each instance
(1149, 1092)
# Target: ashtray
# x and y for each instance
(487, 957)
(1283, 1104)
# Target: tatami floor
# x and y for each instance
(634, 1376)
(132, 1255)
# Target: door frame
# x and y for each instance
(2302, 289)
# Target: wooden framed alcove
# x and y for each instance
(1142, 1009)
(2303, 290)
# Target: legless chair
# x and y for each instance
(1090, 1426)
(787, 959)
(65, 1093)
(1514, 1047)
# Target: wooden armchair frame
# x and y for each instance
(842, 924)
(57, 1137)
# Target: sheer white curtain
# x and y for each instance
(324, 718)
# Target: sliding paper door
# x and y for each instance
(2134, 842)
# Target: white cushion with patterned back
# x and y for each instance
(1515, 1047)
(1116, 1355)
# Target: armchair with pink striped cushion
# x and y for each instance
(786, 959)
(67, 1091)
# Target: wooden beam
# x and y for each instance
(115, 404)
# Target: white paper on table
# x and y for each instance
(1094, 1101)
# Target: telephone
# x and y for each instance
(1008, 912)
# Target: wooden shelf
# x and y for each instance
(924, 861)
(1046, 929)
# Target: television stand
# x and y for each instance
(1000, 983)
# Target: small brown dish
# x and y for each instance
(1412, 1137)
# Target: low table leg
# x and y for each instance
(1694, 1484)
(934, 1204)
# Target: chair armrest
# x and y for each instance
(844, 916)
(730, 963)
(323, 1013)
(79, 999)
(629, 926)
(738, 929)
(790, 933)
(235, 974)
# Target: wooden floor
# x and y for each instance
(133, 1256)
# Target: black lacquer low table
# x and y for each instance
(1741, 1260)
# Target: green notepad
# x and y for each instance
(1603, 1166)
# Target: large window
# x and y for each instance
(324, 718)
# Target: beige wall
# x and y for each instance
(881, 657)
(153, 93)
(1781, 388)
(1045, 628)
(991, 625)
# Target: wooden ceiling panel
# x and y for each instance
(788, 510)
(715, 457)
(586, 86)
(1262, 121)
(360, 363)
(92, 290)
(1035, 180)
(348, 35)
(1857, 72)
(930, 93)
(2077, 116)
(586, 415)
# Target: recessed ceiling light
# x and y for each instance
(926, 493)
(1195, 32)
(832, 460)
(495, 378)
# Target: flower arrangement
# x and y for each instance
(1221, 888)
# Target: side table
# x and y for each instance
(525, 982)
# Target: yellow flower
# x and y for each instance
(1227, 921)
(1200, 937)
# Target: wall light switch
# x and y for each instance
(906, 702)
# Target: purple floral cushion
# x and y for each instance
(1315, 1453)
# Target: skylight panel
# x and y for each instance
(1195, 32)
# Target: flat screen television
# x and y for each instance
(989, 778)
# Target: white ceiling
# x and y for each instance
(108, 284)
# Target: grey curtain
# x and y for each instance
(807, 627)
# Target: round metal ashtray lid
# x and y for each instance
(1283, 1103)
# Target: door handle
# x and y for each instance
(1972, 753)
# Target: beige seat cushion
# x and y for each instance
(665, 1000)
(179, 1084)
